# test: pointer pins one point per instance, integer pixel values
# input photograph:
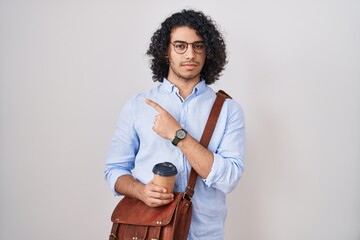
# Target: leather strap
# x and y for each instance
(114, 231)
(206, 136)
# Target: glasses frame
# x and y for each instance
(187, 46)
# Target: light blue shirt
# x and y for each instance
(136, 148)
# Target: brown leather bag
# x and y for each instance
(134, 220)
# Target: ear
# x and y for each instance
(167, 59)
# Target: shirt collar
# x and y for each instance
(169, 87)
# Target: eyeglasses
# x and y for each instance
(181, 47)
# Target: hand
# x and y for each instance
(155, 196)
(165, 124)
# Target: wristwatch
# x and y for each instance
(180, 135)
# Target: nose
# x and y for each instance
(190, 54)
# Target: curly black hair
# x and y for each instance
(215, 46)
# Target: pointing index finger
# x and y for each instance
(156, 106)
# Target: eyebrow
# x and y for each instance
(180, 41)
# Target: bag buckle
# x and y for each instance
(112, 236)
(187, 197)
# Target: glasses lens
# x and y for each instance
(199, 47)
(180, 47)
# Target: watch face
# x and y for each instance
(181, 134)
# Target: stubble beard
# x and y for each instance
(183, 76)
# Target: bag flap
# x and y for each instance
(135, 212)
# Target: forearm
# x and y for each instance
(127, 185)
(151, 194)
(200, 158)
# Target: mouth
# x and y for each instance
(189, 64)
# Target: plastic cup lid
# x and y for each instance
(165, 169)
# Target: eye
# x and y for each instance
(180, 46)
(199, 46)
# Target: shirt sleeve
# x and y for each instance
(229, 153)
(123, 148)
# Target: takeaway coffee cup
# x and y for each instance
(164, 175)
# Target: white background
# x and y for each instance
(67, 68)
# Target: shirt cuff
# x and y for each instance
(113, 177)
(217, 170)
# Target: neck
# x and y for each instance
(185, 86)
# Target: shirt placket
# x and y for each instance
(183, 122)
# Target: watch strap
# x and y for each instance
(175, 141)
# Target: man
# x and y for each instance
(187, 54)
